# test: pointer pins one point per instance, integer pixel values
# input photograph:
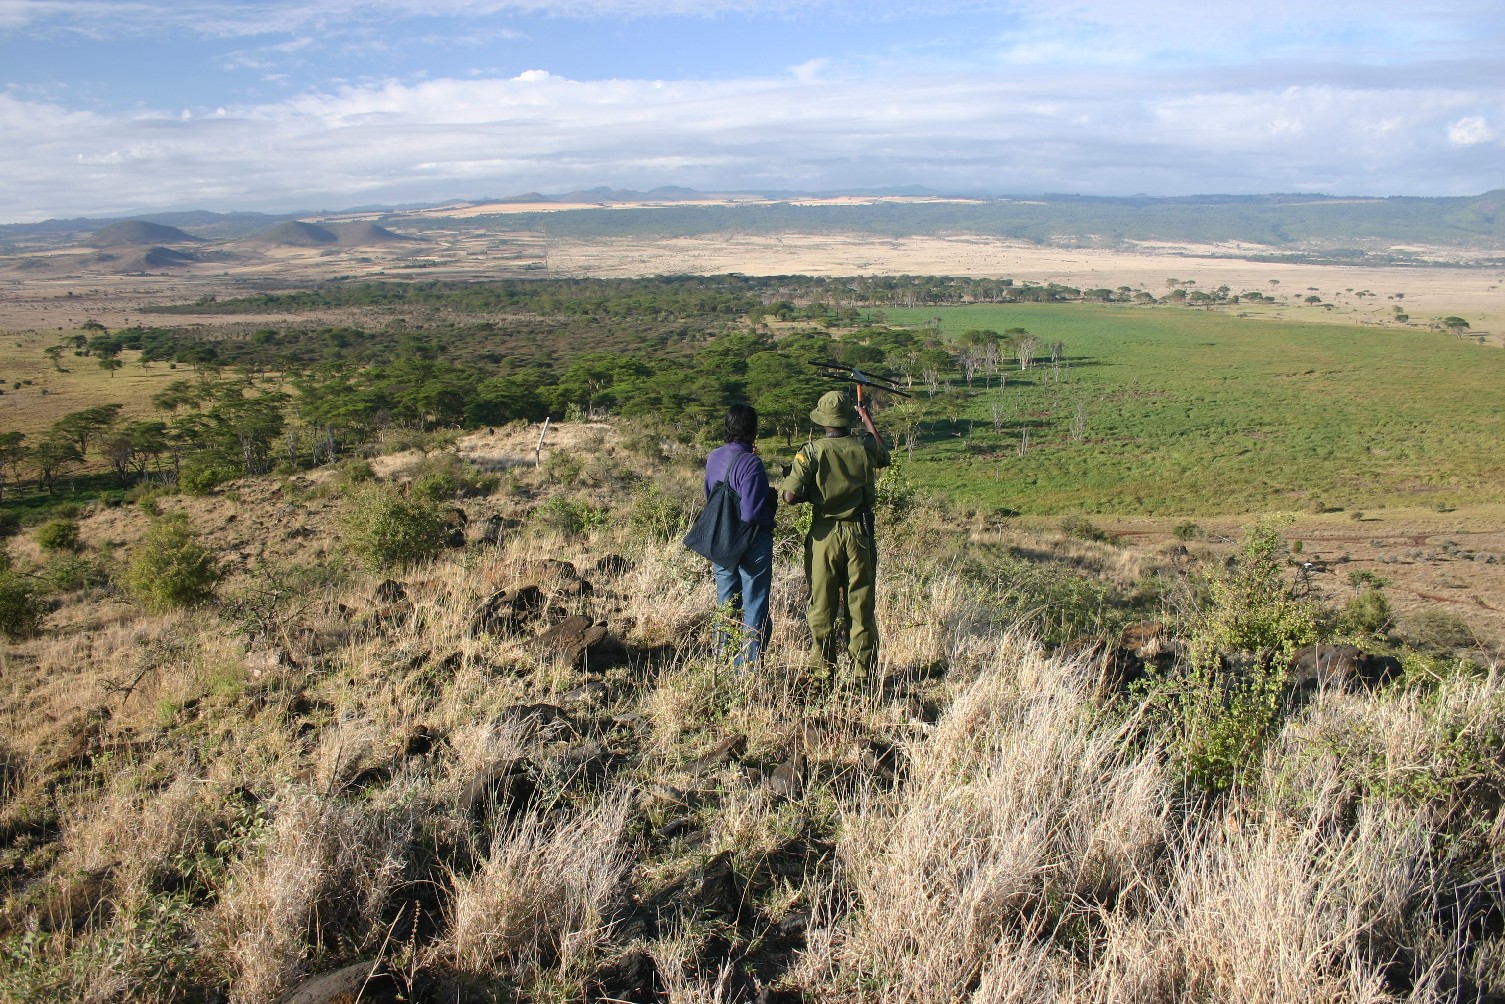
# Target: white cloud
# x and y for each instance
(449, 138)
(1470, 131)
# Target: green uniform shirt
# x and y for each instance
(836, 474)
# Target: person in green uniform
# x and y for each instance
(836, 475)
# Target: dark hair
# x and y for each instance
(741, 424)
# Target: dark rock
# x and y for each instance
(456, 517)
(488, 531)
(454, 538)
(788, 778)
(631, 979)
(613, 565)
(391, 591)
(508, 611)
(508, 785)
(1116, 666)
(548, 722)
(590, 694)
(582, 643)
(725, 751)
(361, 983)
(582, 764)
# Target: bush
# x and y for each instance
(569, 516)
(170, 568)
(69, 572)
(1188, 531)
(21, 607)
(10, 524)
(356, 472)
(1084, 529)
(57, 535)
(658, 517)
(1438, 631)
(384, 530)
(1366, 614)
(201, 479)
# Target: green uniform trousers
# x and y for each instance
(838, 555)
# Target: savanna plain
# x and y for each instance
(331, 673)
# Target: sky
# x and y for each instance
(117, 107)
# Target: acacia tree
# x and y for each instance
(52, 456)
(13, 452)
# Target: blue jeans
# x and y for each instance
(746, 588)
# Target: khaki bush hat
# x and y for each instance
(834, 412)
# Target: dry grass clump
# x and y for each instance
(315, 885)
(539, 900)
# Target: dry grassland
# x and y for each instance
(321, 771)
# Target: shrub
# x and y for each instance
(356, 472)
(10, 524)
(569, 516)
(385, 530)
(1366, 614)
(171, 568)
(1437, 631)
(657, 516)
(1188, 531)
(57, 535)
(563, 467)
(21, 606)
(70, 572)
(201, 479)
(1084, 529)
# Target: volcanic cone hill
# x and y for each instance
(129, 233)
(364, 234)
(296, 234)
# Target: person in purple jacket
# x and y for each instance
(745, 587)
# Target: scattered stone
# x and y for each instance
(420, 741)
(507, 611)
(582, 643)
(590, 694)
(361, 983)
(509, 785)
(391, 591)
(728, 749)
(613, 565)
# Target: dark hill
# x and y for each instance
(296, 234)
(365, 234)
(127, 233)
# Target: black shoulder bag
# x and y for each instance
(720, 533)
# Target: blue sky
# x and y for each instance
(120, 106)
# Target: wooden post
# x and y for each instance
(538, 449)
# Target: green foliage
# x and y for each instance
(1222, 707)
(1188, 531)
(355, 472)
(170, 568)
(57, 535)
(70, 572)
(563, 467)
(572, 517)
(1368, 613)
(1084, 529)
(656, 515)
(1216, 721)
(22, 606)
(1437, 631)
(200, 478)
(385, 530)
(444, 477)
(1251, 615)
(10, 523)
(895, 497)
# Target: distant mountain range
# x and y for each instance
(1281, 226)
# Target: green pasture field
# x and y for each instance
(1192, 412)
